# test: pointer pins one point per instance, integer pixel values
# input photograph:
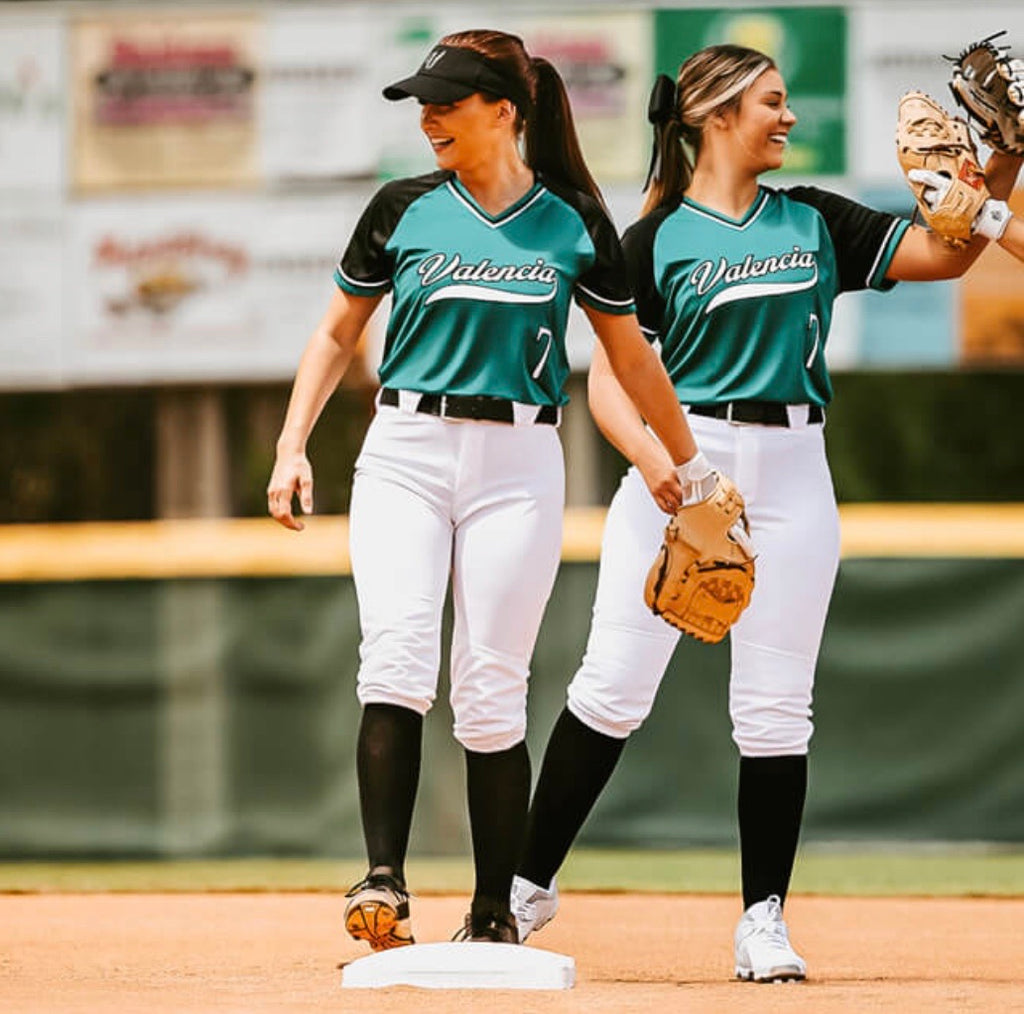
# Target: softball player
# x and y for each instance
(737, 282)
(461, 473)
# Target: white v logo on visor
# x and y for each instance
(759, 290)
(433, 60)
(486, 295)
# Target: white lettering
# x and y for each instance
(706, 275)
(439, 266)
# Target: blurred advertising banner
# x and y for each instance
(200, 288)
(992, 306)
(31, 292)
(32, 104)
(320, 97)
(605, 61)
(164, 101)
(809, 46)
(899, 51)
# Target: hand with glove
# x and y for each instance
(703, 576)
(929, 140)
(992, 216)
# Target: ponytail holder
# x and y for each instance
(662, 109)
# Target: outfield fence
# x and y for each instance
(187, 689)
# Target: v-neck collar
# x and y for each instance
(736, 223)
(506, 215)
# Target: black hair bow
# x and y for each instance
(662, 109)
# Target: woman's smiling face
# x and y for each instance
(763, 121)
(464, 133)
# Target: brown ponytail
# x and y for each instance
(552, 146)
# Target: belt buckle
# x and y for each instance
(728, 411)
(443, 410)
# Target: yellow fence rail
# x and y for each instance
(257, 547)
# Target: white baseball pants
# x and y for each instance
(477, 501)
(784, 477)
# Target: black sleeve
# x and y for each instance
(864, 240)
(638, 247)
(366, 267)
(603, 285)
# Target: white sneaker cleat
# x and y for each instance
(763, 951)
(533, 906)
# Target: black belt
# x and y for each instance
(470, 406)
(767, 413)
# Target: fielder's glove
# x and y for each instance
(991, 220)
(928, 138)
(703, 575)
(990, 86)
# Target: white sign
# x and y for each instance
(31, 292)
(320, 96)
(200, 288)
(31, 104)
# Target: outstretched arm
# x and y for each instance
(1012, 240)
(923, 256)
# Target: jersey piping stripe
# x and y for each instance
(604, 299)
(721, 220)
(360, 284)
(495, 224)
(759, 290)
(882, 247)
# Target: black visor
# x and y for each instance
(451, 73)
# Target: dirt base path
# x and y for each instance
(253, 953)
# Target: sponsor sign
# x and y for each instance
(201, 288)
(32, 286)
(320, 99)
(164, 101)
(31, 105)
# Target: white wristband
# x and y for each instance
(992, 220)
(697, 478)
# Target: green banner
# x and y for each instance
(809, 46)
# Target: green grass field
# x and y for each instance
(910, 870)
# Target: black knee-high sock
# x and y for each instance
(771, 806)
(498, 787)
(577, 765)
(388, 771)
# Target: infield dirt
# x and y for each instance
(256, 953)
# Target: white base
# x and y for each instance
(462, 966)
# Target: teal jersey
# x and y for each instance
(481, 302)
(742, 308)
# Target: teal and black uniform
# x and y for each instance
(742, 308)
(480, 301)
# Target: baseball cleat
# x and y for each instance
(490, 928)
(763, 951)
(533, 906)
(378, 912)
